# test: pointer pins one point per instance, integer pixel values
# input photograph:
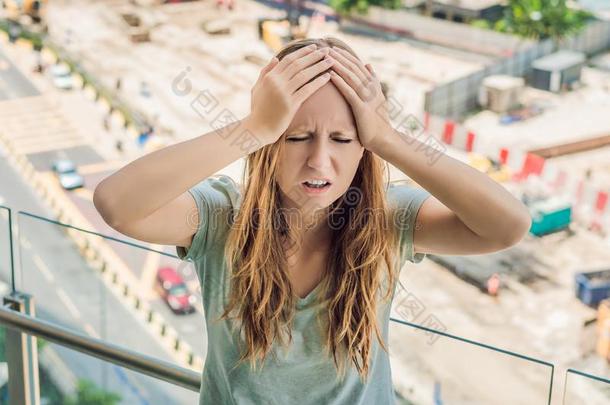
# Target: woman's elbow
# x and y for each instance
(102, 201)
(521, 226)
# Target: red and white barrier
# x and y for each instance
(450, 132)
(590, 205)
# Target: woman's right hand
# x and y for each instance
(277, 94)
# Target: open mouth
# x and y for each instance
(316, 186)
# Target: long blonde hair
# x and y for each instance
(261, 296)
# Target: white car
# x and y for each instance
(62, 77)
(67, 174)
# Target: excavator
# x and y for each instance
(278, 32)
(32, 8)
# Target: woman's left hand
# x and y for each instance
(362, 89)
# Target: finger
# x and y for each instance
(351, 79)
(357, 62)
(370, 69)
(268, 67)
(348, 92)
(286, 61)
(300, 64)
(307, 90)
(350, 65)
(307, 74)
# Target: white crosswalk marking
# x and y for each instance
(43, 269)
(68, 303)
(35, 124)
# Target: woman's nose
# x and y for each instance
(319, 155)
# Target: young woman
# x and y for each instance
(298, 268)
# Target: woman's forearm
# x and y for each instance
(151, 181)
(483, 205)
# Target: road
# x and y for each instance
(12, 83)
(69, 293)
(66, 290)
(70, 127)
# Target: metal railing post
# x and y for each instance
(22, 356)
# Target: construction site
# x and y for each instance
(526, 325)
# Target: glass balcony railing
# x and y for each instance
(6, 264)
(105, 287)
(581, 388)
(110, 380)
(437, 367)
(102, 321)
(6, 246)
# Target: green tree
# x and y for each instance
(344, 7)
(541, 19)
(87, 393)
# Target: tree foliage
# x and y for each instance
(541, 19)
(362, 6)
(88, 393)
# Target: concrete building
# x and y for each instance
(558, 70)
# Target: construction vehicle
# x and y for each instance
(493, 168)
(550, 215)
(16, 8)
(278, 32)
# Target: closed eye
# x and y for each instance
(304, 139)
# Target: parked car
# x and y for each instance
(62, 76)
(67, 174)
(174, 291)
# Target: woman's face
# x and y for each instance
(321, 142)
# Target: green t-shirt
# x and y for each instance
(302, 374)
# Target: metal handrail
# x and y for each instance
(103, 350)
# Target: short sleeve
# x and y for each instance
(216, 199)
(405, 202)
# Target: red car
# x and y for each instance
(174, 291)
